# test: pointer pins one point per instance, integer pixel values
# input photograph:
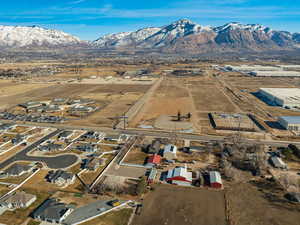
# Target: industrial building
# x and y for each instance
(291, 123)
(290, 67)
(250, 68)
(238, 122)
(282, 73)
(285, 97)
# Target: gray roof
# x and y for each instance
(18, 197)
(17, 169)
(277, 162)
(50, 147)
(53, 176)
(5, 126)
(65, 134)
(291, 119)
(51, 209)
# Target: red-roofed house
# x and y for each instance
(154, 159)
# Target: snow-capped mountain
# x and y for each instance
(185, 35)
(34, 36)
(153, 36)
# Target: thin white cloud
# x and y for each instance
(76, 2)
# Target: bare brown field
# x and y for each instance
(256, 205)
(178, 205)
(211, 99)
(171, 97)
(136, 156)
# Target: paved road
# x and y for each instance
(159, 133)
(57, 162)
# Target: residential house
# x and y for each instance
(215, 179)
(112, 137)
(87, 148)
(59, 101)
(170, 152)
(153, 160)
(52, 211)
(30, 105)
(154, 148)
(65, 135)
(60, 178)
(91, 135)
(18, 139)
(5, 127)
(17, 169)
(50, 147)
(179, 176)
(17, 200)
(91, 164)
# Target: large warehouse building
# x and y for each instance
(291, 123)
(285, 97)
(275, 73)
(250, 68)
(237, 122)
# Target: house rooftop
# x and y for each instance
(52, 208)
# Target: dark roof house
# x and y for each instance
(52, 211)
(17, 169)
(60, 177)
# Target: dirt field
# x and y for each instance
(116, 99)
(136, 156)
(172, 205)
(256, 205)
(171, 97)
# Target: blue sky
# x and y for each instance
(89, 19)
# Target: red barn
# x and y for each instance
(154, 159)
(215, 179)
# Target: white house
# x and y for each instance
(170, 152)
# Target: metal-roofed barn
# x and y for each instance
(179, 176)
(215, 179)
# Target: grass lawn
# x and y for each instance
(119, 217)
(136, 156)
(33, 222)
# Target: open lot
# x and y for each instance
(177, 206)
(115, 100)
(260, 204)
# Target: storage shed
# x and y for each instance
(215, 179)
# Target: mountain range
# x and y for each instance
(180, 36)
(187, 36)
